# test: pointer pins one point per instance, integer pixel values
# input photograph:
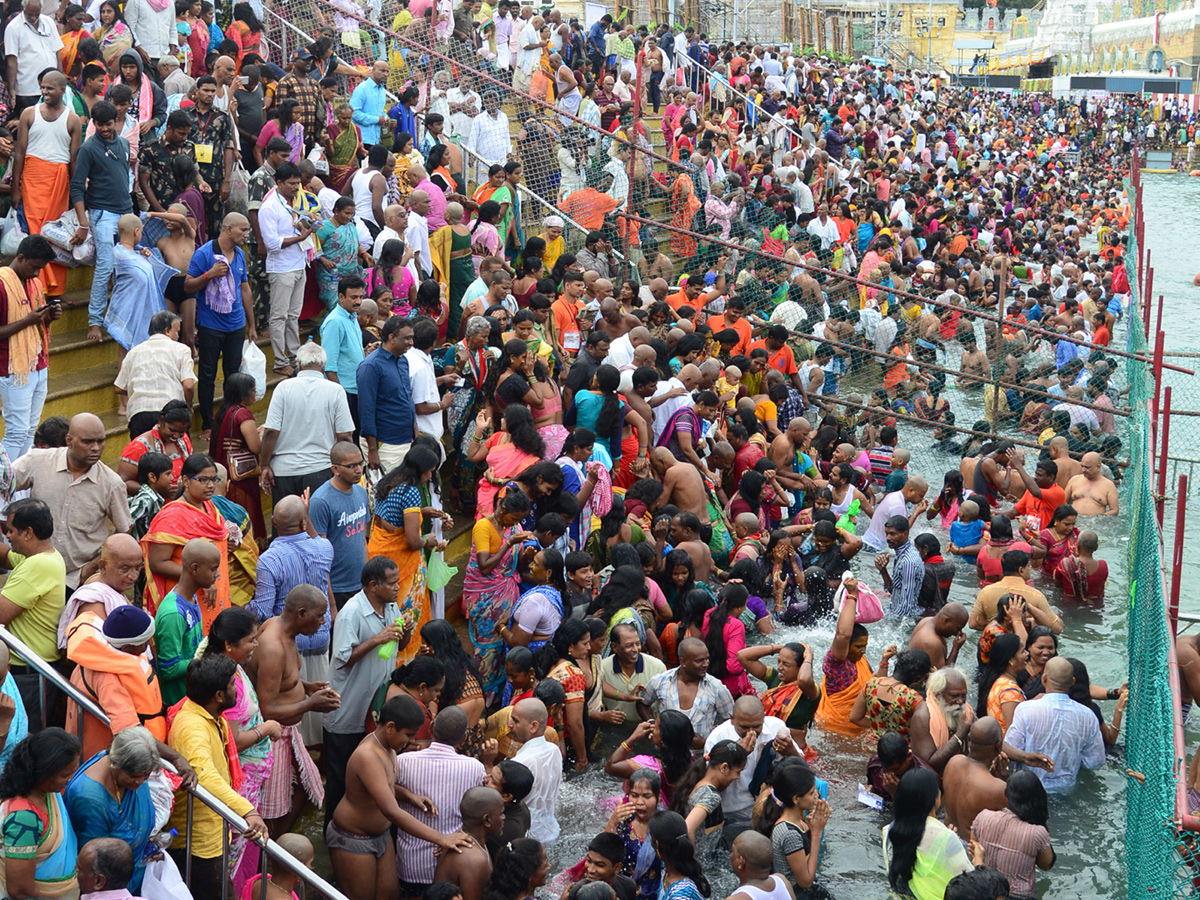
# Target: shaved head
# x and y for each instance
(288, 515)
(120, 546)
(198, 550)
(755, 851)
(1059, 674)
(534, 710)
(479, 802)
(305, 596)
(987, 732)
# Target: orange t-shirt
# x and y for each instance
(678, 299)
(588, 207)
(565, 326)
(741, 326)
(782, 359)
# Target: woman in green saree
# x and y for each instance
(340, 252)
(344, 148)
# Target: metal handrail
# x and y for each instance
(199, 792)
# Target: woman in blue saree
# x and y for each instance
(340, 251)
(110, 795)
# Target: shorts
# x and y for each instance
(363, 845)
(175, 292)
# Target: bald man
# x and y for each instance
(691, 690)
(683, 485)
(117, 570)
(975, 781)
(932, 632)
(1054, 726)
(284, 696)
(416, 235)
(1068, 467)
(763, 737)
(419, 179)
(620, 351)
(1090, 492)
(395, 222)
(482, 811)
(80, 490)
(657, 290)
(527, 724)
(178, 627)
(752, 859)
(297, 556)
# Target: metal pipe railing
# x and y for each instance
(46, 672)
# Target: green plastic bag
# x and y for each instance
(437, 573)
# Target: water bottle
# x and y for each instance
(160, 842)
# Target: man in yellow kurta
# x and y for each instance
(199, 732)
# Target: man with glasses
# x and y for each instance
(339, 512)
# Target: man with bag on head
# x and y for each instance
(224, 310)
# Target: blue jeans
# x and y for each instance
(22, 411)
(104, 232)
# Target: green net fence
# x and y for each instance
(1162, 860)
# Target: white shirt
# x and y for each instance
(804, 198)
(490, 139)
(459, 123)
(664, 411)
(36, 49)
(620, 352)
(544, 760)
(891, 505)
(827, 231)
(737, 796)
(424, 390)
(386, 234)
(154, 31)
(417, 237)
(528, 60)
(277, 221)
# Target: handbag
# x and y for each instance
(242, 465)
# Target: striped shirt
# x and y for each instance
(908, 573)
(1011, 846)
(291, 560)
(443, 775)
(1064, 730)
(881, 463)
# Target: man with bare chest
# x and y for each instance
(359, 834)
(683, 484)
(482, 810)
(613, 321)
(177, 247)
(285, 698)
(970, 782)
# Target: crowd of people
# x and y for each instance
(666, 461)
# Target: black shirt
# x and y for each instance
(582, 370)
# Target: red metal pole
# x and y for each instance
(1158, 319)
(1147, 293)
(1164, 449)
(1177, 557)
(1159, 340)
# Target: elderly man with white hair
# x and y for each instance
(175, 80)
(939, 727)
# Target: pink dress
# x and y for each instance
(735, 677)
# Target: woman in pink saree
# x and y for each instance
(507, 453)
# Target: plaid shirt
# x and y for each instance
(712, 706)
(155, 160)
(311, 111)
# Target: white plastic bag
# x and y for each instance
(13, 235)
(317, 157)
(254, 364)
(162, 881)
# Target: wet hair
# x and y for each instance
(677, 734)
(673, 560)
(515, 779)
(515, 866)
(912, 666)
(915, 795)
(732, 597)
(1005, 647)
(787, 783)
(723, 753)
(1027, 797)
(668, 831)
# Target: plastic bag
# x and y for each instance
(10, 234)
(437, 572)
(254, 364)
(239, 188)
(317, 157)
(868, 609)
(162, 881)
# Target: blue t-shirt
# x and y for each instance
(342, 518)
(967, 534)
(206, 317)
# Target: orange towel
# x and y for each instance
(45, 195)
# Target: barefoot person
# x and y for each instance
(284, 698)
(482, 810)
(358, 836)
